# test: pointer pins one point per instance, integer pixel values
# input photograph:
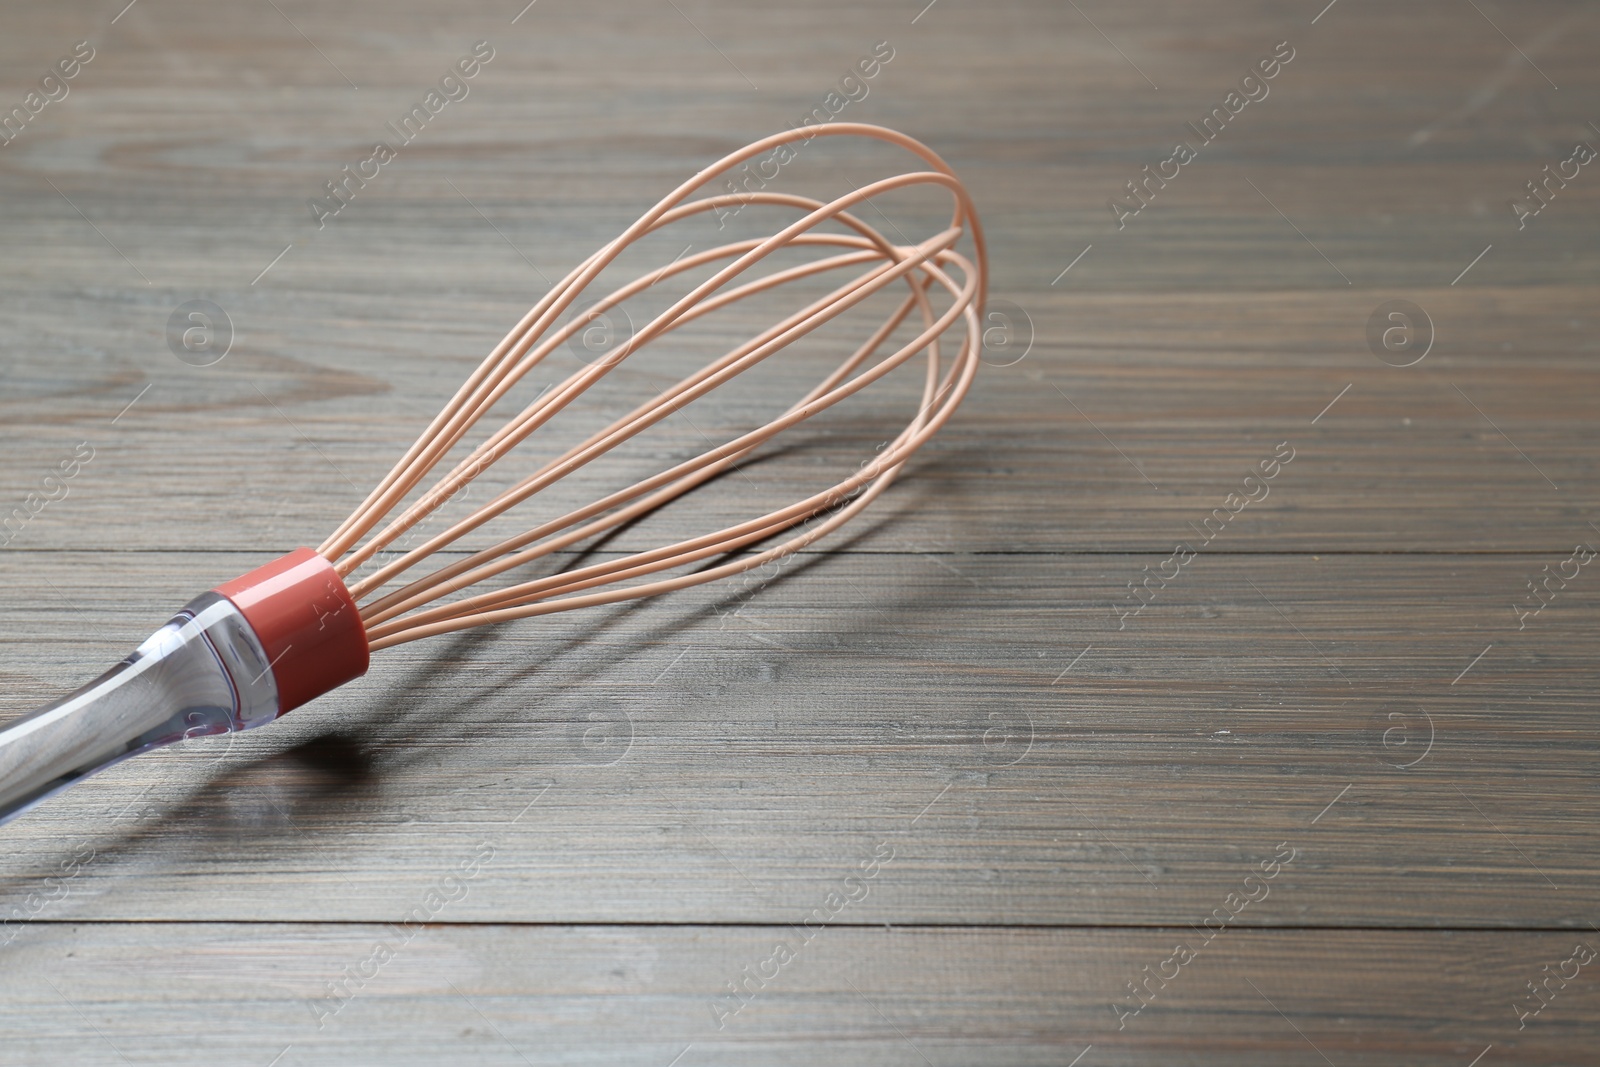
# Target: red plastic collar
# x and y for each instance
(306, 621)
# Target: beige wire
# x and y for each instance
(413, 611)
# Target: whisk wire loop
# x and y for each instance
(932, 264)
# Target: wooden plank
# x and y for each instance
(1124, 438)
(728, 754)
(450, 993)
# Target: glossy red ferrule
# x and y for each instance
(307, 622)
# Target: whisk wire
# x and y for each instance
(660, 407)
(403, 615)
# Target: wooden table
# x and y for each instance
(1324, 792)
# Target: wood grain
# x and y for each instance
(908, 995)
(678, 756)
(1351, 669)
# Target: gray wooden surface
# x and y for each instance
(589, 828)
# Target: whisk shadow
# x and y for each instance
(432, 674)
(419, 731)
(410, 730)
(237, 810)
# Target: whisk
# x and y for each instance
(267, 642)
